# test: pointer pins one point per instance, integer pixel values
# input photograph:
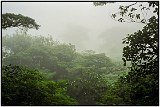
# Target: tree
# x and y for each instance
(87, 86)
(26, 50)
(13, 20)
(91, 77)
(137, 12)
(96, 60)
(25, 87)
(141, 83)
(142, 50)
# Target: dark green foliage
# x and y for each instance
(140, 86)
(111, 97)
(13, 20)
(22, 86)
(142, 45)
(87, 87)
(142, 50)
(91, 77)
(88, 73)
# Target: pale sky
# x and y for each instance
(82, 24)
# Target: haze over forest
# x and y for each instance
(82, 24)
(80, 53)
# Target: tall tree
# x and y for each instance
(142, 51)
(13, 20)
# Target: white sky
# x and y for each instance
(86, 26)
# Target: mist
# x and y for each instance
(81, 54)
(82, 24)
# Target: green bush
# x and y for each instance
(22, 86)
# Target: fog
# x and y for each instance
(82, 24)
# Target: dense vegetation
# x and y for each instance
(37, 70)
(87, 75)
(22, 86)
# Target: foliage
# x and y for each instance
(142, 50)
(111, 98)
(142, 45)
(101, 3)
(137, 12)
(23, 86)
(38, 52)
(92, 78)
(88, 74)
(97, 60)
(87, 87)
(13, 20)
(140, 85)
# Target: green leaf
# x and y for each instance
(113, 15)
(138, 16)
(133, 9)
